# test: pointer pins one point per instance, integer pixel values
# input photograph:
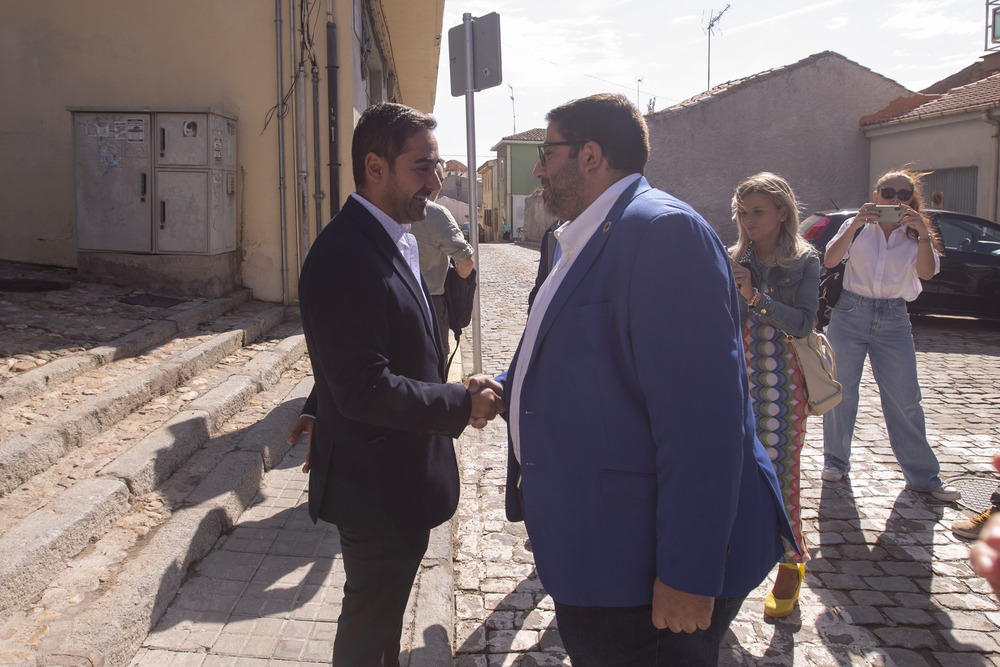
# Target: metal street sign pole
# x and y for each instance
(475, 65)
(470, 124)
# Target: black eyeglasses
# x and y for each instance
(542, 147)
(893, 193)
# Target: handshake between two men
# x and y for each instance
(487, 399)
(487, 403)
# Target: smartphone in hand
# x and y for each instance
(889, 213)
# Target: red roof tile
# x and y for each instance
(981, 94)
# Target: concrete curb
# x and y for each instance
(429, 620)
(430, 614)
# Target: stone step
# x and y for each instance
(120, 602)
(73, 417)
(154, 458)
(85, 592)
(33, 382)
(102, 450)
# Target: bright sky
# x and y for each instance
(557, 50)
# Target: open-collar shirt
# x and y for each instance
(571, 236)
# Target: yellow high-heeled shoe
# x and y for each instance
(779, 607)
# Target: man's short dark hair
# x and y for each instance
(610, 120)
(383, 129)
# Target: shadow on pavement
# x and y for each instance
(876, 581)
(502, 631)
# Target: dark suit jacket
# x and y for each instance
(382, 450)
(546, 258)
(639, 457)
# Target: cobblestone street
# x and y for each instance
(888, 583)
(208, 557)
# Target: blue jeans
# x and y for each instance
(880, 330)
(626, 636)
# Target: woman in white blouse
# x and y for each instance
(884, 266)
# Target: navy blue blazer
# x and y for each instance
(639, 457)
(382, 450)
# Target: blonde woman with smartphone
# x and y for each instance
(777, 274)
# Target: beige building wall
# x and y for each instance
(962, 140)
(193, 53)
(800, 121)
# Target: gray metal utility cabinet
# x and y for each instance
(156, 197)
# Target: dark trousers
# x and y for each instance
(626, 637)
(380, 566)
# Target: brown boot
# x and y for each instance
(969, 528)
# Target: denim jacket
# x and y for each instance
(789, 296)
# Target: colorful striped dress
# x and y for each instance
(779, 404)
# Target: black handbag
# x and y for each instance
(459, 298)
(831, 284)
(459, 295)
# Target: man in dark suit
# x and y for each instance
(546, 259)
(651, 506)
(381, 460)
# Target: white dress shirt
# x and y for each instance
(571, 236)
(880, 268)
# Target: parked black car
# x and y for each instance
(969, 280)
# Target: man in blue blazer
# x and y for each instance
(651, 507)
(381, 457)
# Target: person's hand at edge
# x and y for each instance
(680, 611)
(984, 556)
(303, 425)
(464, 267)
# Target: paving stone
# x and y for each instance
(963, 660)
(971, 640)
(858, 615)
(906, 616)
(899, 584)
(843, 581)
(871, 598)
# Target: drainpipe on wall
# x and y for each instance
(318, 191)
(332, 81)
(303, 146)
(990, 117)
(281, 153)
(296, 209)
(510, 190)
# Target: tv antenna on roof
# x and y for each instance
(713, 24)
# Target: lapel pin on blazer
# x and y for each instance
(607, 226)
